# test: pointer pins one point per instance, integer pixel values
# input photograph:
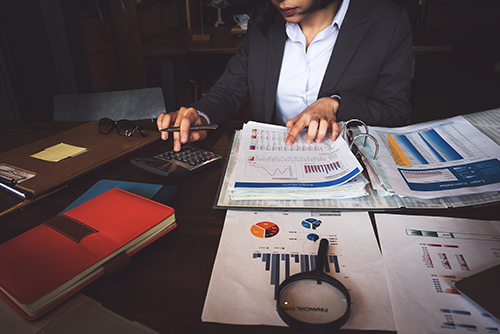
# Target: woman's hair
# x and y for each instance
(264, 12)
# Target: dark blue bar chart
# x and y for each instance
(274, 263)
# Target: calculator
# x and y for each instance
(187, 161)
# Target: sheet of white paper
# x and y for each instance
(423, 258)
(252, 261)
(438, 159)
(265, 161)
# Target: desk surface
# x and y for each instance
(165, 285)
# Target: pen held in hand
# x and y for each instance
(192, 128)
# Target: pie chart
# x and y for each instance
(264, 229)
(311, 223)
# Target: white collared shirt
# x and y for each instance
(302, 71)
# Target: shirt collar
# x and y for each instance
(293, 29)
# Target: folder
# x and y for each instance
(380, 195)
(47, 264)
(162, 193)
(102, 149)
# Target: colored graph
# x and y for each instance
(273, 263)
(282, 265)
(406, 150)
(322, 168)
(311, 223)
(264, 230)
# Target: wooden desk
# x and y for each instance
(165, 285)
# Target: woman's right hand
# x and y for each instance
(184, 118)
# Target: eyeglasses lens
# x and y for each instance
(125, 128)
(106, 125)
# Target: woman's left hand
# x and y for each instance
(319, 117)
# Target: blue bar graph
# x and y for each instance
(439, 147)
(405, 143)
(272, 264)
(322, 168)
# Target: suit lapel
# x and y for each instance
(275, 50)
(352, 32)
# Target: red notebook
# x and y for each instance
(49, 263)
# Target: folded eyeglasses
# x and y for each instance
(123, 127)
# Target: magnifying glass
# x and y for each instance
(314, 302)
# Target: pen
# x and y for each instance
(23, 204)
(192, 128)
(7, 180)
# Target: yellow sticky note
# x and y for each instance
(59, 152)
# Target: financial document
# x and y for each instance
(438, 159)
(267, 168)
(259, 249)
(423, 258)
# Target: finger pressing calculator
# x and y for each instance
(187, 161)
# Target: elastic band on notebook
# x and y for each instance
(70, 228)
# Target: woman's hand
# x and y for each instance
(184, 118)
(319, 117)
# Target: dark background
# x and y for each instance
(50, 47)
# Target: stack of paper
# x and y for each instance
(267, 168)
(260, 249)
(423, 258)
(435, 159)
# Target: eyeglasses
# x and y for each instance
(124, 127)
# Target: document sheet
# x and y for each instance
(438, 159)
(423, 258)
(259, 249)
(267, 168)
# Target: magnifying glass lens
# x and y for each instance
(313, 301)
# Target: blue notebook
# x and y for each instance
(160, 193)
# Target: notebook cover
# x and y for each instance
(102, 149)
(43, 258)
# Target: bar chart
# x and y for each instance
(429, 146)
(281, 266)
(322, 168)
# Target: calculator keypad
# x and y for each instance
(189, 157)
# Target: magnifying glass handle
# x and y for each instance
(322, 251)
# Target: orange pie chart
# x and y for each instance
(264, 229)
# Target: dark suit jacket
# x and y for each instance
(370, 67)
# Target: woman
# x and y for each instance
(312, 63)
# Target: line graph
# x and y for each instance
(270, 170)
